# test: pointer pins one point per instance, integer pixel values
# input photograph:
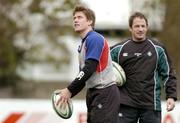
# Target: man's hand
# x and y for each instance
(65, 96)
(170, 104)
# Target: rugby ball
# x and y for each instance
(119, 74)
(64, 110)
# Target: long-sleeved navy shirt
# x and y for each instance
(146, 65)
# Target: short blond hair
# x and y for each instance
(90, 15)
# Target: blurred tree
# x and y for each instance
(45, 22)
(170, 33)
(9, 55)
(26, 27)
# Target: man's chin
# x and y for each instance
(140, 38)
(76, 30)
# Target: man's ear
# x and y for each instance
(130, 29)
(90, 22)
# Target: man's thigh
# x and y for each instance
(150, 116)
(128, 114)
(103, 108)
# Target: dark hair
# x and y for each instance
(137, 15)
(90, 15)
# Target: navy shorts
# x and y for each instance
(103, 105)
(129, 114)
